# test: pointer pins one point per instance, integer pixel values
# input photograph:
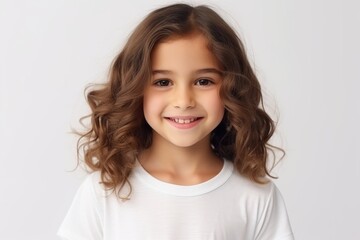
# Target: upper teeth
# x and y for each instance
(179, 120)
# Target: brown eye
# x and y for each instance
(162, 83)
(203, 82)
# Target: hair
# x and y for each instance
(119, 131)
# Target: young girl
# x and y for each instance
(178, 142)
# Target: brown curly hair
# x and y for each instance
(118, 128)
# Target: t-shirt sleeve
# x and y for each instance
(84, 219)
(274, 222)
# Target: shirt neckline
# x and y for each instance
(181, 190)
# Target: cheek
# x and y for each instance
(215, 105)
(218, 109)
(152, 105)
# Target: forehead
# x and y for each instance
(188, 52)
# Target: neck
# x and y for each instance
(180, 162)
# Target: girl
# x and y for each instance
(178, 142)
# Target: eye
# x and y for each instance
(204, 82)
(162, 83)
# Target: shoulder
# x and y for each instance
(243, 185)
(84, 218)
(91, 187)
(265, 203)
(92, 181)
(261, 194)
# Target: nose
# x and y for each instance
(183, 98)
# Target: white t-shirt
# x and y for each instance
(226, 207)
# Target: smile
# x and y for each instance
(183, 121)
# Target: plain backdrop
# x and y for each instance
(304, 53)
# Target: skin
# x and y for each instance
(182, 105)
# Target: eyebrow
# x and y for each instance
(199, 71)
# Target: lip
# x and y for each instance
(183, 122)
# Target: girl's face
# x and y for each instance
(181, 101)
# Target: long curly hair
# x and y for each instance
(119, 131)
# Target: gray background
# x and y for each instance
(303, 52)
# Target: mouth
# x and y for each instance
(185, 120)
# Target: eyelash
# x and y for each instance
(159, 82)
(208, 81)
(167, 82)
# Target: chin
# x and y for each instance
(185, 143)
